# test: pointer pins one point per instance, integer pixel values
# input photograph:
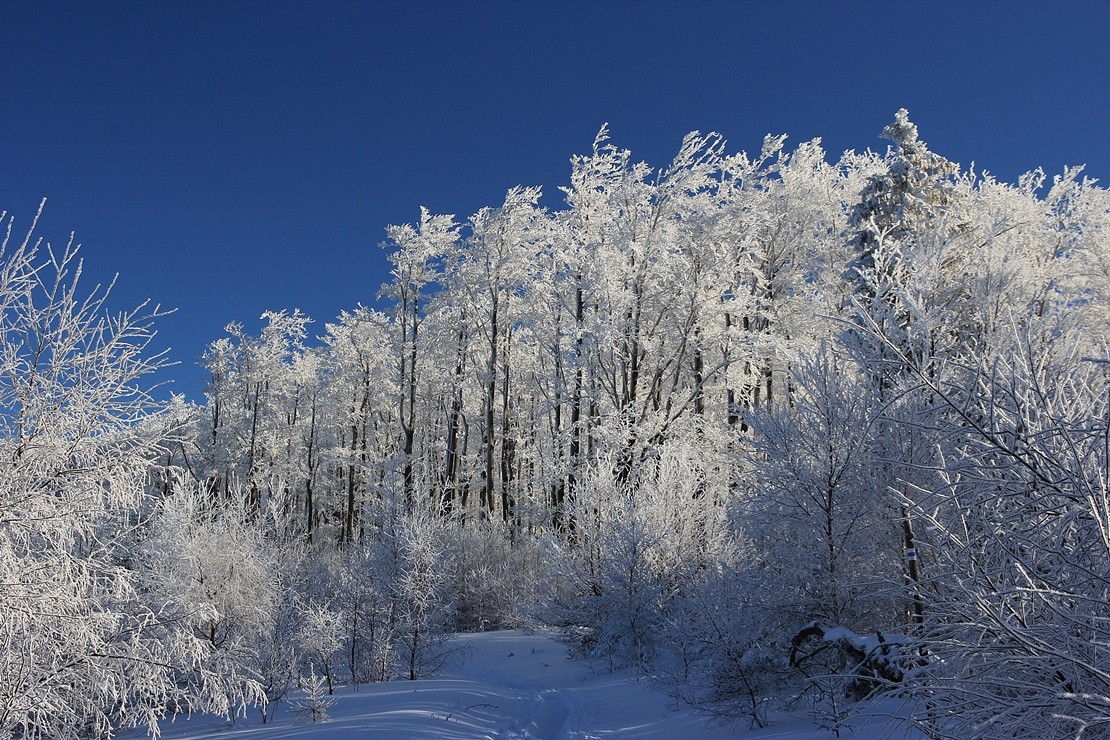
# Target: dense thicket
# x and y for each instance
(770, 428)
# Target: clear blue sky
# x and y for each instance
(232, 157)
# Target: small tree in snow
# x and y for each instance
(314, 704)
(637, 546)
(820, 514)
(210, 564)
(412, 551)
(320, 639)
(725, 640)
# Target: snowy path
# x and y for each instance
(510, 686)
(553, 697)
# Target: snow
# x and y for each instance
(509, 685)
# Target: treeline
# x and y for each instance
(771, 428)
(523, 345)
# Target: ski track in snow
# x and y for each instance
(507, 685)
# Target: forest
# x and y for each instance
(773, 429)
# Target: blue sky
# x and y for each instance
(226, 158)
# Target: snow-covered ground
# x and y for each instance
(505, 685)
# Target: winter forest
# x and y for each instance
(772, 429)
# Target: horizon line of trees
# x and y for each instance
(522, 344)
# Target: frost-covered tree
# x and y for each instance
(211, 565)
(417, 262)
(259, 387)
(909, 268)
(493, 272)
(391, 594)
(818, 508)
(320, 640)
(909, 310)
(357, 416)
(85, 649)
(1019, 531)
(638, 544)
(725, 638)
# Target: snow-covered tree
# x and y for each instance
(85, 649)
(417, 262)
(217, 575)
(909, 269)
(493, 271)
(819, 509)
(637, 544)
(357, 415)
(1019, 532)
